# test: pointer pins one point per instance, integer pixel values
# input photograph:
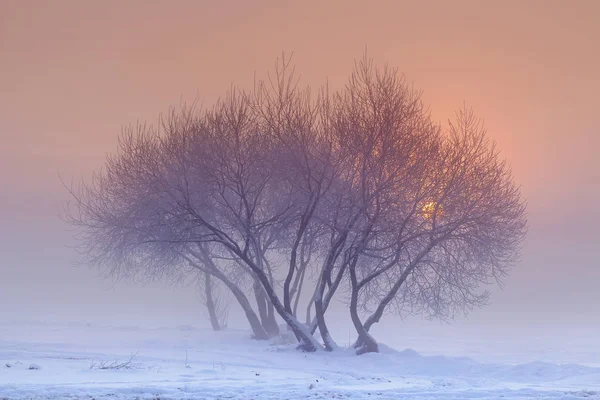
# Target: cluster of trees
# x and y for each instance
(287, 199)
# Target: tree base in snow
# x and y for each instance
(362, 347)
(306, 348)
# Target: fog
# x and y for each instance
(72, 74)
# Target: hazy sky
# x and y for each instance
(73, 72)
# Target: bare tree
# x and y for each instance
(238, 162)
(129, 226)
(273, 189)
(442, 215)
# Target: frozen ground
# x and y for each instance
(66, 357)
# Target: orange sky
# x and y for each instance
(73, 72)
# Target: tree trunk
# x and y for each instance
(265, 310)
(326, 299)
(320, 308)
(272, 320)
(298, 291)
(307, 341)
(261, 301)
(258, 332)
(210, 303)
(308, 318)
(365, 342)
(330, 345)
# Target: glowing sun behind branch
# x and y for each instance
(432, 209)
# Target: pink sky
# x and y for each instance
(72, 73)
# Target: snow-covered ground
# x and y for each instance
(65, 362)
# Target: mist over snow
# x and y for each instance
(74, 75)
(78, 360)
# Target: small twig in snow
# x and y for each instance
(115, 365)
